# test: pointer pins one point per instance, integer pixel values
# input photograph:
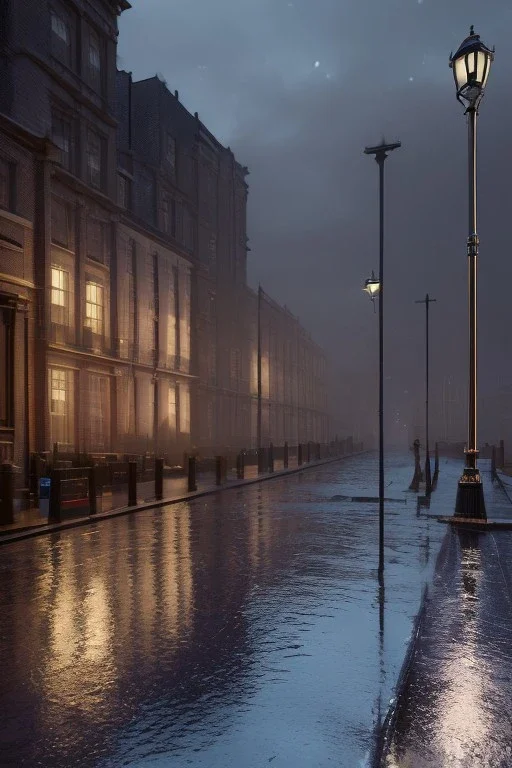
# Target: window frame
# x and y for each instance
(61, 49)
(95, 318)
(58, 116)
(60, 291)
(9, 204)
(95, 74)
(100, 170)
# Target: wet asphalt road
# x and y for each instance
(456, 709)
(245, 628)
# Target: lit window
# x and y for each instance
(94, 307)
(59, 296)
(172, 407)
(184, 409)
(61, 405)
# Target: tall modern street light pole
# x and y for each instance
(381, 152)
(471, 65)
(428, 477)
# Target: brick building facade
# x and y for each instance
(126, 324)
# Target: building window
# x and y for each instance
(6, 367)
(169, 216)
(146, 195)
(94, 307)
(59, 305)
(61, 225)
(188, 229)
(170, 151)
(172, 410)
(61, 36)
(61, 406)
(62, 137)
(7, 184)
(184, 409)
(94, 160)
(98, 420)
(98, 241)
(94, 60)
(123, 191)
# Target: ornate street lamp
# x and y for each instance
(471, 65)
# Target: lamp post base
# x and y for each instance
(470, 496)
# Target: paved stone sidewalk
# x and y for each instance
(455, 707)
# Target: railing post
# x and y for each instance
(6, 494)
(159, 479)
(285, 455)
(318, 453)
(192, 485)
(132, 483)
(308, 451)
(91, 480)
(55, 497)
(271, 457)
(299, 455)
(502, 455)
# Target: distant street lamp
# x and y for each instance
(428, 477)
(471, 65)
(381, 152)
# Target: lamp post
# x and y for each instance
(428, 477)
(471, 65)
(380, 152)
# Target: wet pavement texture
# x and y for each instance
(245, 628)
(456, 707)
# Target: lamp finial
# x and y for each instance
(472, 30)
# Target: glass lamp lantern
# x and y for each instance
(471, 65)
(372, 286)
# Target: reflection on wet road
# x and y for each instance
(239, 629)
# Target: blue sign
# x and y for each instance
(44, 496)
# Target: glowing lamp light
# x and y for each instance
(372, 286)
(471, 65)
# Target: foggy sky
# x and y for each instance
(248, 68)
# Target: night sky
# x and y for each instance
(297, 89)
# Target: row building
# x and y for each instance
(126, 321)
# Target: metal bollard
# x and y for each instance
(271, 457)
(318, 452)
(91, 477)
(159, 479)
(55, 497)
(192, 485)
(308, 452)
(299, 455)
(218, 470)
(132, 483)
(285, 456)
(240, 466)
(6, 494)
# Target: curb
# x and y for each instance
(385, 735)
(30, 532)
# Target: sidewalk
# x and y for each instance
(30, 523)
(454, 706)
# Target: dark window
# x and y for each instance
(124, 191)
(6, 367)
(147, 197)
(170, 151)
(61, 36)
(98, 241)
(188, 229)
(169, 216)
(95, 152)
(7, 185)
(94, 60)
(61, 223)
(62, 137)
